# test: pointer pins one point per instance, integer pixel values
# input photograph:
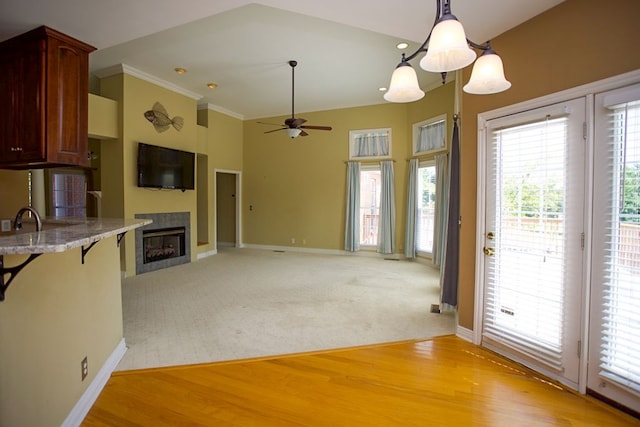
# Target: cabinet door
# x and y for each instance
(32, 98)
(10, 71)
(21, 90)
(67, 104)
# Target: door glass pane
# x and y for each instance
(620, 348)
(370, 186)
(426, 208)
(533, 257)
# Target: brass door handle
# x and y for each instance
(489, 251)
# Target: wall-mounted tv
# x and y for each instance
(161, 167)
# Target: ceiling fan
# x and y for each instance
(295, 126)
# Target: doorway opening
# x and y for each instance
(227, 211)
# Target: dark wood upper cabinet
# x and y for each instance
(44, 90)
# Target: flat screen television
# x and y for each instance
(161, 167)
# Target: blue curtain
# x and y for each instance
(412, 211)
(387, 221)
(449, 277)
(442, 203)
(372, 144)
(431, 137)
(352, 223)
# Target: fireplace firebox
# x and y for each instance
(159, 244)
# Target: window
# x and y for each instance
(68, 189)
(370, 186)
(370, 144)
(426, 203)
(430, 136)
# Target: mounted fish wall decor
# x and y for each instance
(160, 119)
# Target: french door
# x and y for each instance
(614, 348)
(534, 238)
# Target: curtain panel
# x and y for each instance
(449, 276)
(372, 145)
(387, 221)
(431, 137)
(441, 205)
(412, 211)
(352, 223)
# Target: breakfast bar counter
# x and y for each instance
(62, 234)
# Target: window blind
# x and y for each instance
(525, 296)
(620, 348)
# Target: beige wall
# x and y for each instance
(135, 96)
(224, 149)
(14, 192)
(297, 187)
(577, 42)
(57, 311)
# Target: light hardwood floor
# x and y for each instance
(444, 381)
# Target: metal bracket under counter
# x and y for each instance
(13, 271)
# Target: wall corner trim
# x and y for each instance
(126, 69)
(222, 110)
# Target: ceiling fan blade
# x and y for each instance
(275, 130)
(316, 127)
(303, 133)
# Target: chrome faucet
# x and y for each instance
(17, 224)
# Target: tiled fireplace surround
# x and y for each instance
(161, 221)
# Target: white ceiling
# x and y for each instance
(345, 48)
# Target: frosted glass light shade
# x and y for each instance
(404, 85)
(448, 49)
(293, 132)
(487, 76)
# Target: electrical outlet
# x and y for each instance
(293, 240)
(6, 225)
(84, 365)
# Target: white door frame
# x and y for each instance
(581, 91)
(238, 217)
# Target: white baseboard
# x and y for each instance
(88, 398)
(295, 249)
(207, 254)
(464, 333)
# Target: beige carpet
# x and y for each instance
(244, 303)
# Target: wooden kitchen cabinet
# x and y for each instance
(44, 85)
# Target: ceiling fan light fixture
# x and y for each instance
(293, 132)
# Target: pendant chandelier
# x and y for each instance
(448, 49)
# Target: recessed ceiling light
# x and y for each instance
(402, 45)
(180, 70)
(212, 85)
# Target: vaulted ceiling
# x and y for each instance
(346, 49)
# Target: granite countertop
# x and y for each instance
(62, 234)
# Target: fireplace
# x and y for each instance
(165, 242)
(162, 243)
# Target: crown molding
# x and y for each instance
(126, 69)
(222, 110)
